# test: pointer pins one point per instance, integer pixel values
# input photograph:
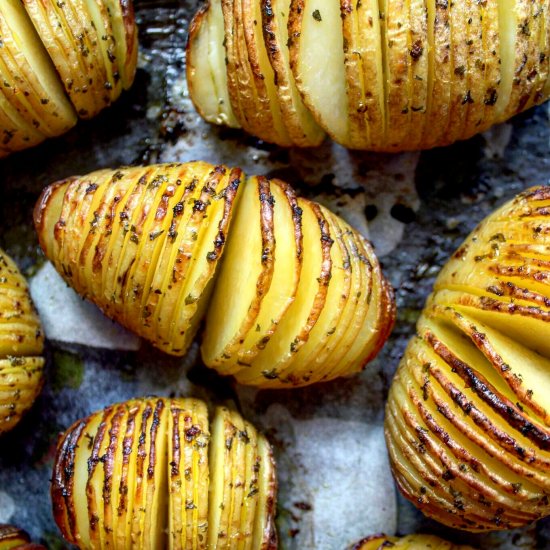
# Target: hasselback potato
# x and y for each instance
(467, 421)
(60, 61)
(21, 346)
(12, 538)
(410, 542)
(299, 296)
(157, 473)
(384, 76)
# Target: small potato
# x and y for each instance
(156, 473)
(21, 346)
(410, 542)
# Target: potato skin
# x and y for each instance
(21, 346)
(172, 436)
(467, 416)
(450, 70)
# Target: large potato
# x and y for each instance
(299, 296)
(156, 473)
(467, 421)
(21, 346)
(60, 61)
(379, 75)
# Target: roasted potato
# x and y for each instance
(60, 61)
(467, 420)
(144, 244)
(21, 346)
(410, 542)
(12, 538)
(375, 75)
(156, 473)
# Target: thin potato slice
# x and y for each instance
(300, 124)
(238, 296)
(265, 534)
(295, 327)
(208, 81)
(369, 37)
(221, 458)
(285, 216)
(211, 238)
(250, 487)
(250, 18)
(309, 360)
(317, 62)
(188, 440)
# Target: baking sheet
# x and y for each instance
(335, 485)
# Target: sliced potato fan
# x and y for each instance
(21, 346)
(386, 75)
(153, 473)
(468, 412)
(158, 248)
(60, 61)
(14, 538)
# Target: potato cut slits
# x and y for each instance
(300, 124)
(295, 327)
(468, 411)
(237, 297)
(317, 61)
(30, 82)
(210, 99)
(387, 75)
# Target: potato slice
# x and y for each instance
(410, 542)
(276, 284)
(308, 363)
(300, 124)
(188, 448)
(260, 102)
(265, 533)
(396, 41)
(30, 83)
(317, 62)
(208, 81)
(211, 237)
(460, 69)
(250, 497)
(440, 78)
(295, 327)
(359, 131)
(221, 457)
(352, 318)
(238, 296)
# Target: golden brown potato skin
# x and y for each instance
(145, 244)
(142, 474)
(21, 346)
(446, 71)
(13, 538)
(467, 420)
(410, 542)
